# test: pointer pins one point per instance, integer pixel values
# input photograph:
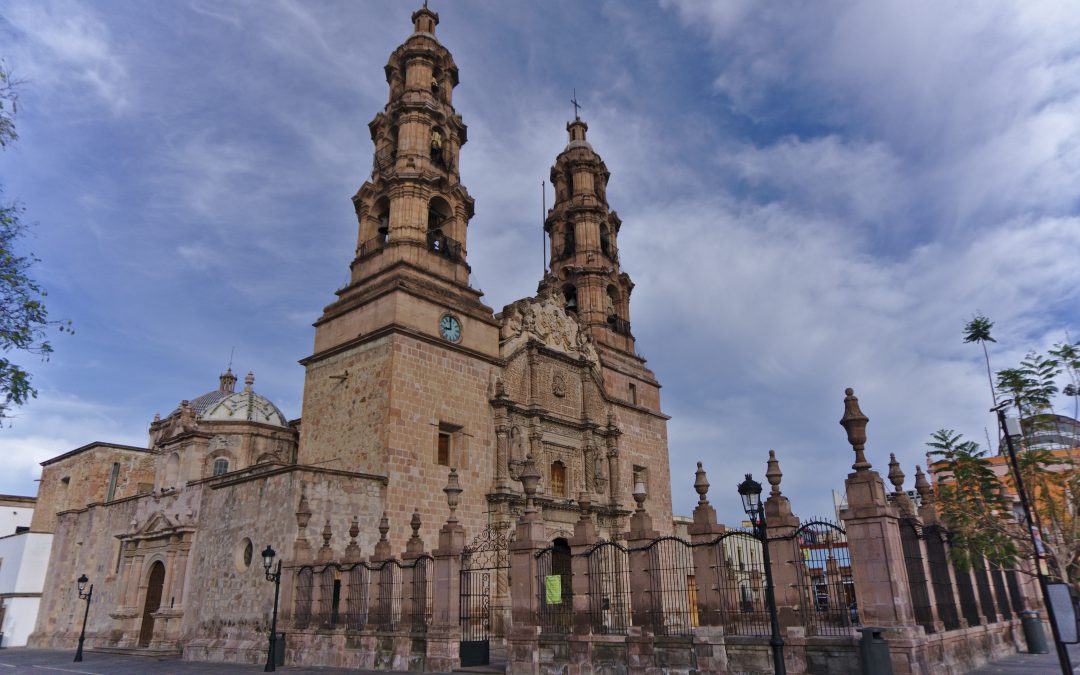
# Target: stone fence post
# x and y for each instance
(444, 634)
(639, 639)
(877, 555)
(709, 565)
(530, 537)
(784, 552)
(584, 538)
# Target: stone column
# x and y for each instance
(502, 454)
(614, 473)
(709, 572)
(877, 555)
(640, 637)
(444, 634)
(530, 537)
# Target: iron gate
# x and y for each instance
(485, 567)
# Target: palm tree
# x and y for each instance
(978, 330)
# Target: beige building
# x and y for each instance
(411, 374)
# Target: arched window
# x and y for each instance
(221, 466)
(569, 243)
(439, 213)
(605, 240)
(382, 215)
(558, 479)
(611, 302)
(437, 138)
(570, 293)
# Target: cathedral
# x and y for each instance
(411, 377)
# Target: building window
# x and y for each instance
(633, 394)
(558, 479)
(221, 467)
(442, 457)
(112, 481)
(448, 444)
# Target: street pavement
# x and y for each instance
(1028, 664)
(45, 661)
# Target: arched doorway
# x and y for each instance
(153, 602)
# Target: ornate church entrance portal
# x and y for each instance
(153, 602)
(485, 584)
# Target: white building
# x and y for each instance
(24, 557)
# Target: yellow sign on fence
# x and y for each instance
(553, 589)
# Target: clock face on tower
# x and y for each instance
(450, 328)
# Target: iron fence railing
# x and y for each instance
(825, 581)
(911, 537)
(390, 595)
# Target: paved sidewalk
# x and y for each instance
(1028, 664)
(45, 661)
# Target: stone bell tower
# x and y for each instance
(399, 377)
(583, 238)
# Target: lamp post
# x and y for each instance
(750, 491)
(81, 581)
(275, 576)
(1005, 424)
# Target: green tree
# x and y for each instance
(1068, 357)
(970, 501)
(978, 330)
(24, 320)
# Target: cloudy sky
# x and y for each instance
(814, 195)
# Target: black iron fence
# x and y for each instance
(940, 579)
(390, 595)
(826, 585)
(555, 589)
(673, 592)
(911, 535)
(609, 588)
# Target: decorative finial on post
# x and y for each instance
(923, 487)
(640, 494)
(896, 475)
(453, 495)
(303, 513)
(585, 502)
(384, 527)
(415, 544)
(701, 485)
(326, 534)
(529, 478)
(382, 547)
(352, 551)
(854, 422)
(773, 474)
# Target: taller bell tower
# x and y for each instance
(398, 382)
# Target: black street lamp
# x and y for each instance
(750, 491)
(275, 576)
(81, 581)
(1036, 545)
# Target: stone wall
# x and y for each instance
(81, 477)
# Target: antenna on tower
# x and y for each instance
(232, 352)
(543, 219)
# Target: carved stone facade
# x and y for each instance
(411, 375)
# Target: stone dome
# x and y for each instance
(227, 405)
(245, 406)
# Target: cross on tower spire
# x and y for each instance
(576, 105)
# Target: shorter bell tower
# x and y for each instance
(583, 239)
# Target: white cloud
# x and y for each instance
(53, 424)
(68, 46)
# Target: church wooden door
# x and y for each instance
(153, 602)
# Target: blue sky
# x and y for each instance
(814, 195)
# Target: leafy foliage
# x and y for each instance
(978, 330)
(970, 498)
(24, 320)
